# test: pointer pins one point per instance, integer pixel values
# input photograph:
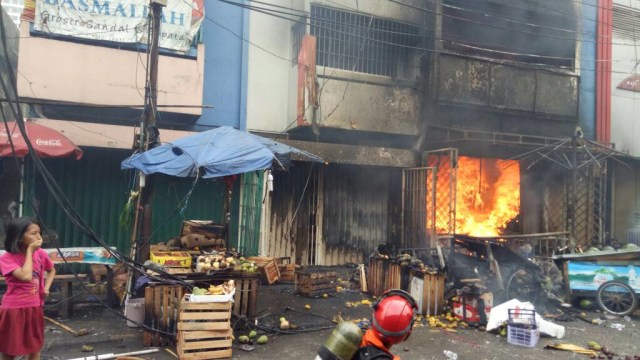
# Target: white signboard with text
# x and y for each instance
(123, 21)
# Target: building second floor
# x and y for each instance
(344, 72)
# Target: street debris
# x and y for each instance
(571, 347)
(80, 332)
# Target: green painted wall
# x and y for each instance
(98, 189)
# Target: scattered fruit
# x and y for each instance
(586, 304)
(262, 340)
(594, 346)
(307, 307)
(244, 339)
(325, 295)
(252, 334)
(87, 348)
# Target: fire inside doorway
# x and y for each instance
(488, 197)
(516, 198)
(461, 195)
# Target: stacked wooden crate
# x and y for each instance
(204, 330)
(287, 270)
(161, 307)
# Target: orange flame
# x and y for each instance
(488, 195)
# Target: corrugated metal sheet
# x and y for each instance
(98, 189)
(361, 210)
(250, 213)
(288, 222)
(355, 208)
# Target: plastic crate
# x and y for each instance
(522, 329)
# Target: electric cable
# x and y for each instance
(484, 58)
(307, 16)
(55, 191)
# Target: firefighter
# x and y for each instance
(392, 321)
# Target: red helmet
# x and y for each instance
(393, 316)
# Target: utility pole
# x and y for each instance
(152, 135)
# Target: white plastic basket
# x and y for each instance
(522, 328)
(519, 335)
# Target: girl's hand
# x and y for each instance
(35, 245)
(46, 293)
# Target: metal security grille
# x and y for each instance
(555, 204)
(445, 161)
(418, 210)
(575, 201)
(360, 43)
(589, 191)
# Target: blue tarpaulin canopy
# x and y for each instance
(219, 152)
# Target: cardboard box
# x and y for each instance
(172, 258)
(471, 307)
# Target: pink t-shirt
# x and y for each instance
(22, 294)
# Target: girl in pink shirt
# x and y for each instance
(24, 266)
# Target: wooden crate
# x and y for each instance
(428, 291)
(246, 298)
(268, 268)
(204, 331)
(288, 272)
(315, 283)
(376, 273)
(160, 312)
(394, 277)
(383, 275)
(271, 272)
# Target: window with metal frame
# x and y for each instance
(360, 42)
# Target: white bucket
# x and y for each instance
(134, 311)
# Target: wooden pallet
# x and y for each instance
(204, 331)
(246, 297)
(315, 283)
(160, 310)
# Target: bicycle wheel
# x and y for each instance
(523, 285)
(617, 298)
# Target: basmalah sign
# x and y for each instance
(125, 21)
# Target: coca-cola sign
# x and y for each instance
(50, 142)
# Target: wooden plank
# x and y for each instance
(214, 315)
(253, 297)
(147, 338)
(207, 344)
(195, 335)
(157, 290)
(217, 354)
(189, 305)
(188, 326)
(363, 278)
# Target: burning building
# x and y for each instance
(446, 117)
